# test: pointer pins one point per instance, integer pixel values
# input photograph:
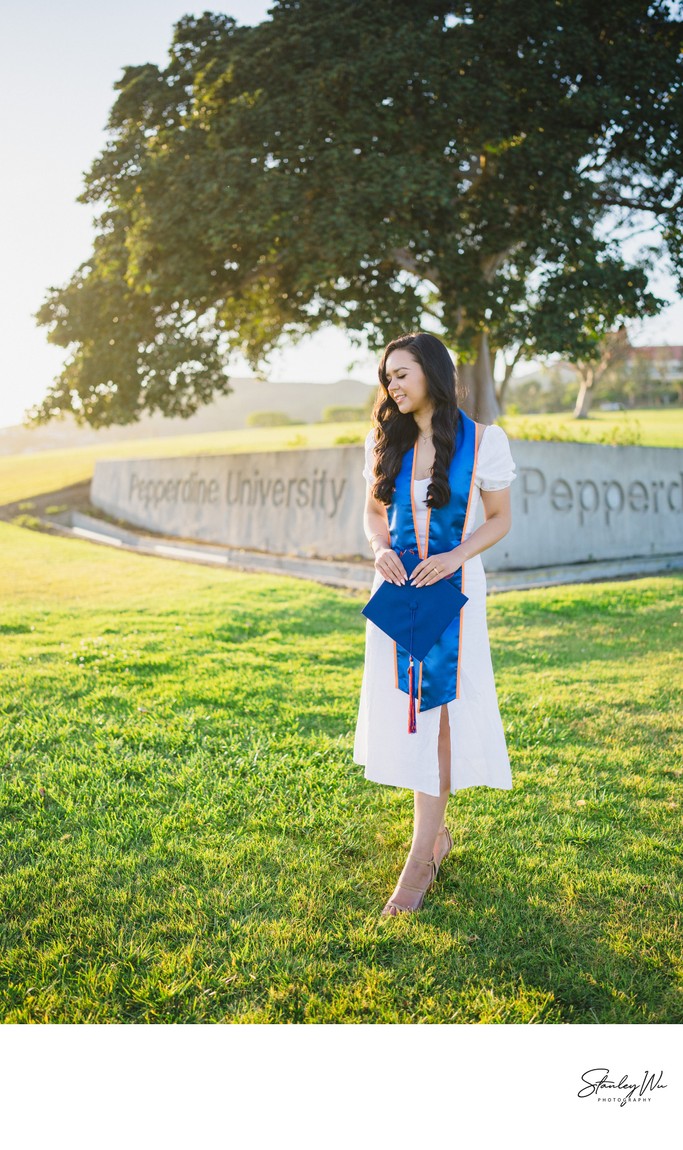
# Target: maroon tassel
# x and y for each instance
(412, 720)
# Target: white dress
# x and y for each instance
(382, 743)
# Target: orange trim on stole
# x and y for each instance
(412, 503)
(477, 441)
(386, 516)
(426, 552)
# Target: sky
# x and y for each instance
(59, 65)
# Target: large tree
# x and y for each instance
(461, 167)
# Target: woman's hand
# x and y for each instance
(435, 567)
(389, 566)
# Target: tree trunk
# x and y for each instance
(583, 400)
(501, 394)
(476, 387)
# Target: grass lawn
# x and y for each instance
(22, 476)
(646, 427)
(186, 838)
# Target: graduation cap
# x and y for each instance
(414, 617)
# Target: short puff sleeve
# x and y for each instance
(495, 465)
(369, 469)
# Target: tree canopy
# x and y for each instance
(467, 168)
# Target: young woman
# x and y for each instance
(427, 466)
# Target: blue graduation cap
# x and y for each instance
(414, 617)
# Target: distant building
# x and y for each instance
(662, 361)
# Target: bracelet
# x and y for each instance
(377, 535)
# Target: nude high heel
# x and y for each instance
(449, 848)
(393, 908)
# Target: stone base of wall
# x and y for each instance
(354, 576)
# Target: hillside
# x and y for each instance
(301, 401)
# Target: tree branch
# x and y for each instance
(408, 263)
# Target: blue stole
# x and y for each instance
(439, 679)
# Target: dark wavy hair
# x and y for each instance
(396, 433)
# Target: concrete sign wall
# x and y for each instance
(307, 503)
(571, 502)
(576, 502)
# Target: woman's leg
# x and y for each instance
(429, 821)
(441, 845)
(430, 810)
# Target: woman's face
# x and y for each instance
(407, 383)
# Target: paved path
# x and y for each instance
(355, 576)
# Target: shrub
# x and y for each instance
(268, 419)
(343, 414)
(626, 434)
(351, 437)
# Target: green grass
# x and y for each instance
(186, 838)
(22, 476)
(647, 427)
